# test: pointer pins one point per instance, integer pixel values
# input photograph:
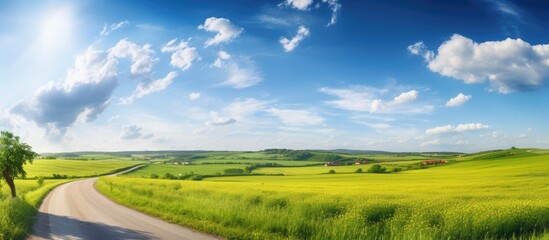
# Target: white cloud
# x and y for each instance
(86, 91)
(237, 111)
(299, 4)
(242, 109)
(226, 31)
(183, 55)
(270, 20)
(335, 6)
(290, 45)
(4, 119)
(194, 95)
(242, 77)
(222, 57)
(379, 126)
(420, 49)
(509, 65)
(151, 27)
(113, 27)
(218, 120)
(439, 130)
(305, 5)
(241, 73)
(406, 97)
(141, 57)
(144, 89)
(459, 128)
(132, 132)
(83, 95)
(506, 8)
(183, 59)
(296, 117)
(470, 127)
(458, 100)
(376, 100)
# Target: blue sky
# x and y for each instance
(249, 75)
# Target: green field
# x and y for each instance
(315, 170)
(16, 215)
(257, 161)
(176, 170)
(77, 168)
(488, 198)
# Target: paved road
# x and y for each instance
(77, 211)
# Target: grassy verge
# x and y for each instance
(17, 215)
(502, 198)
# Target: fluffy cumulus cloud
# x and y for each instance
(293, 117)
(132, 132)
(241, 72)
(406, 97)
(225, 30)
(113, 27)
(144, 89)
(290, 44)
(509, 65)
(299, 4)
(86, 91)
(376, 100)
(457, 129)
(458, 100)
(141, 56)
(183, 55)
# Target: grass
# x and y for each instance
(478, 199)
(77, 168)
(202, 169)
(17, 215)
(315, 170)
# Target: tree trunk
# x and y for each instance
(10, 183)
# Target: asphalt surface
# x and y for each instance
(76, 210)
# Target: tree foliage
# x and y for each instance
(291, 154)
(376, 168)
(13, 155)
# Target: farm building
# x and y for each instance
(433, 162)
(358, 162)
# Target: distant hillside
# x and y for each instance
(376, 152)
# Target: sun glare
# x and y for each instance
(56, 29)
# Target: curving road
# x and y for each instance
(76, 210)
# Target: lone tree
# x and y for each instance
(13, 155)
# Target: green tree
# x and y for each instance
(376, 168)
(13, 155)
